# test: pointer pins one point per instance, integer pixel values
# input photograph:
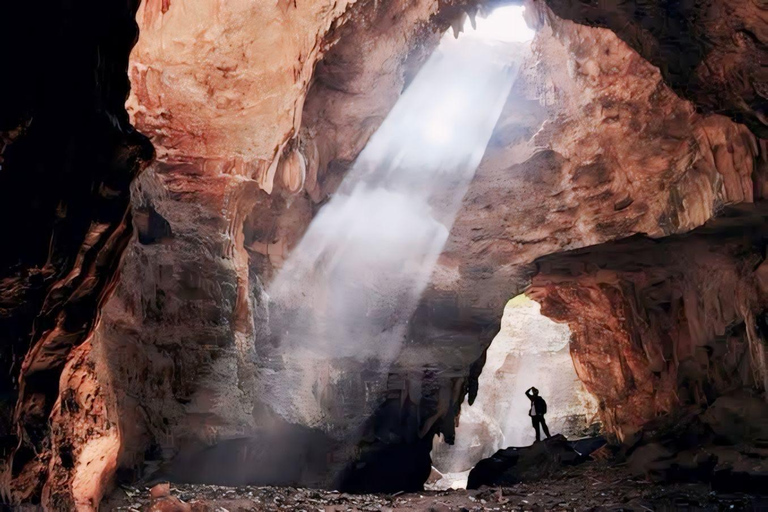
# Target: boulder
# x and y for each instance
(161, 500)
(739, 418)
(721, 445)
(514, 465)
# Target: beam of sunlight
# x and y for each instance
(340, 306)
(504, 24)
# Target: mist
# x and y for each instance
(340, 306)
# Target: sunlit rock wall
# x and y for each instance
(593, 146)
(647, 325)
(597, 143)
(247, 146)
(226, 81)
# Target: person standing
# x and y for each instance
(537, 412)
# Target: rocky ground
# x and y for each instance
(592, 486)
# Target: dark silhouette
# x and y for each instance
(537, 412)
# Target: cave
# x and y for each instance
(316, 251)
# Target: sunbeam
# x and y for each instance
(340, 306)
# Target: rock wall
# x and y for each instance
(592, 146)
(662, 325)
(67, 157)
(713, 53)
(248, 147)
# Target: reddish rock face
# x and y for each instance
(713, 53)
(180, 336)
(661, 325)
(592, 147)
(256, 111)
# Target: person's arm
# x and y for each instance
(528, 394)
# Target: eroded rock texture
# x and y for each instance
(713, 53)
(593, 146)
(662, 324)
(179, 336)
(67, 156)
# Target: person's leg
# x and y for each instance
(544, 426)
(535, 421)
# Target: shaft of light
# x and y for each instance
(340, 306)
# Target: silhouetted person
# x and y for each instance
(537, 412)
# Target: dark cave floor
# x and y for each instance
(595, 485)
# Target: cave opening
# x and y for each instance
(530, 349)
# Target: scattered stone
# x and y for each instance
(161, 490)
(569, 488)
(739, 418)
(161, 500)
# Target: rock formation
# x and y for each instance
(513, 465)
(660, 324)
(594, 147)
(68, 155)
(630, 125)
(712, 53)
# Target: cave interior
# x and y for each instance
(169, 168)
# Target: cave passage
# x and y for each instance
(530, 349)
(340, 306)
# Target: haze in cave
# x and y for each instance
(342, 300)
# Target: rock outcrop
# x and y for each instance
(511, 466)
(660, 324)
(67, 158)
(593, 146)
(724, 446)
(247, 150)
(713, 53)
